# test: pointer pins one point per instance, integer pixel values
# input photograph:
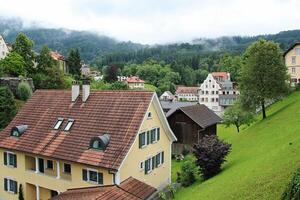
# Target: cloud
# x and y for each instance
(160, 21)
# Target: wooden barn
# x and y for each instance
(190, 124)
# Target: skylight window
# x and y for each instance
(69, 124)
(58, 123)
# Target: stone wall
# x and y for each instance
(13, 82)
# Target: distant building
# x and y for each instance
(167, 96)
(292, 61)
(184, 93)
(134, 82)
(3, 48)
(85, 70)
(61, 61)
(218, 91)
(122, 78)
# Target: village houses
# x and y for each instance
(292, 61)
(71, 142)
(3, 48)
(184, 93)
(218, 92)
(134, 82)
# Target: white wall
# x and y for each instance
(3, 48)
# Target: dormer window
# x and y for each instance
(17, 131)
(69, 124)
(58, 123)
(100, 142)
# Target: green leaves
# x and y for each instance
(7, 106)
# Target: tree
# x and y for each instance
(13, 65)
(7, 106)
(118, 85)
(21, 195)
(52, 78)
(24, 91)
(231, 64)
(236, 115)
(45, 61)
(189, 172)
(201, 75)
(210, 154)
(74, 63)
(110, 73)
(263, 75)
(23, 46)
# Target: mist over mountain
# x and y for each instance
(93, 46)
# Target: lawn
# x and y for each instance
(264, 156)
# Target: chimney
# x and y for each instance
(85, 89)
(75, 90)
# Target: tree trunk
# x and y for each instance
(263, 109)
(237, 128)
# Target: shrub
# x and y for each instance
(292, 191)
(189, 172)
(118, 85)
(7, 106)
(24, 91)
(210, 155)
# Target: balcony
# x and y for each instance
(227, 99)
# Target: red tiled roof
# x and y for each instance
(56, 56)
(187, 90)
(220, 74)
(130, 189)
(134, 79)
(118, 113)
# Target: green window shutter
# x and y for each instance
(148, 137)
(5, 158)
(100, 178)
(158, 134)
(5, 184)
(15, 160)
(157, 159)
(15, 187)
(84, 174)
(162, 157)
(140, 140)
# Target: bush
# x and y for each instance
(292, 191)
(189, 172)
(210, 155)
(7, 106)
(118, 85)
(24, 91)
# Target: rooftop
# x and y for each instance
(134, 79)
(56, 56)
(187, 90)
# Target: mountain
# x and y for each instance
(89, 44)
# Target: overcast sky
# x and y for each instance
(160, 21)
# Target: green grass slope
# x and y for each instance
(263, 158)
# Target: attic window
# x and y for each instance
(100, 142)
(149, 115)
(58, 123)
(17, 131)
(69, 124)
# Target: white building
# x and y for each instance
(184, 93)
(217, 92)
(167, 96)
(122, 78)
(3, 48)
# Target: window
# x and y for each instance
(206, 92)
(67, 168)
(212, 92)
(212, 100)
(148, 166)
(58, 123)
(142, 166)
(10, 185)
(217, 92)
(293, 70)
(297, 51)
(142, 140)
(294, 60)
(217, 99)
(92, 176)
(153, 162)
(69, 124)
(15, 133)
(149, 116)
(10, 159)
(159, 159)
(49, 164)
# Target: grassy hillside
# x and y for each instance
(263, 157)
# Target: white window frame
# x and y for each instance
(149, 117)
(293, 70)
(144, 131)
(293, 60)
(297, 51)
(88, 175)
(8, 184)
(160, 158)
(142, 166)
(150, 168)
(69, 124)
(8, 159)
(58, 123)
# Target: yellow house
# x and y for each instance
(70, 139)
(292, 61)
(135, 82)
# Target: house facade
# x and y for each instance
(3, 48)
(135, 82)
(61, 61)
(167, 96)
(218, 92)
(292, 61)
(184, 93)
(64, 139)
